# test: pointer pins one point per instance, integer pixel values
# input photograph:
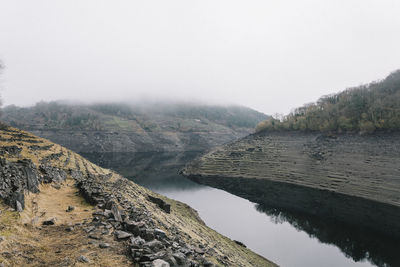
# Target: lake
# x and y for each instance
(284, 237)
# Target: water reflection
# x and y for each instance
(287, 238)
(355, 242)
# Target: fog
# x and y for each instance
(268, 55)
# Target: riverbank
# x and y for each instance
(351, 178)
(105, 218)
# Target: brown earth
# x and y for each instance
(26, 242)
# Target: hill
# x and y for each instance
(350, 178)
(363, 109)
(59, 209)
(140, 127)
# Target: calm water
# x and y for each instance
(287, 239)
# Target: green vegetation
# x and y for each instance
(150, 117)
(364, 109)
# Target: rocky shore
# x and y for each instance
(350, 178)
(130, 224)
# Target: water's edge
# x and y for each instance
(380, 217)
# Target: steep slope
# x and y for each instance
(351, 178)
(66, 211)
(135, 127)
(363, 109)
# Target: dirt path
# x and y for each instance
(29, 243)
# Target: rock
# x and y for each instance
(122, 235)
(51, 221)
(180, 258)
(171, 260)
(19, 206)
(83, 259)
(56, 186)
(15, 197)
(208, 264)
(107, 213)
(116, 213)
(52, 174)
(1, 239)
(160, 233)
(69, 229)
(239, 243)
(159, 263)
(154, 245)
(160, 203)
(96, 236)
(132, 227)
(147, 234)
(70, 208)
(104, 245)
(199, 251)
(89, 229)
(137, 242)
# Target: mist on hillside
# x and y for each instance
(271, 56)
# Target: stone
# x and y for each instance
(132, 227)
(56, 186)
(199, 251)
(171, 260)
(19, 197)
(239, 243)
(116, 213)
(180, 258)
(159, 263)
(104, 245)
(122, 235)
(69, 229)
(51, 221)
(70, 208)
(160, 203)
(18, 206)
(147, 234)
(107, 213)
(160, 233)
(137, 242)
(154, 245)
(96, 236)
(83, 259)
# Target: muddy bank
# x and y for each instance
(351, 178)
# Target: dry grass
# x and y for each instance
(52, 203)
(28, 243)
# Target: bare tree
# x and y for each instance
(1, 102)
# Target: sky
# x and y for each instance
(270, 55)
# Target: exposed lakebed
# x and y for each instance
(286, 238)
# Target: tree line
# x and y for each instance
(363, 109)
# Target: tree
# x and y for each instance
(363, 109)
(1, 69)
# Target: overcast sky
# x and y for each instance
(271, 55)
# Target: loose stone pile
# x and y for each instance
(148, 245)
(114, 214)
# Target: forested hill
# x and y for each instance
(122, 127)
(363, 109)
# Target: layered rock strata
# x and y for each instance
(351, 178)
